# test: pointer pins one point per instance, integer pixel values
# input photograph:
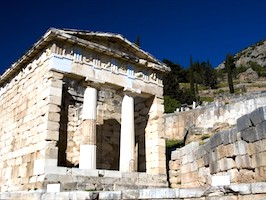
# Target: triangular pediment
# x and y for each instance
(113, 42)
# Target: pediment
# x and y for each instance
(114, 43)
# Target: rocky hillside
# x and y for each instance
(252, 54)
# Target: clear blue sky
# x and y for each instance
(172, 29)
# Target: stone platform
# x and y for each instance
(231, 192)
(69, 179)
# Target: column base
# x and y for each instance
(87, 158)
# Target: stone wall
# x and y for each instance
(221, 111)
(27, 125)
(238, 153)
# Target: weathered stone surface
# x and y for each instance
(234, 174)
(191, 193)
(258, 160)
(199, 152)
(246, 176)
(226, 164)
(243, 123)
(243, 162)
(249, 75)
(240, 188)
(258, 187)
(131, 194)
(159, 193)
(260, 173)
(189, 177)
(188, 148)
(216, 140)
(174, 164)
(207, 147)
(110, 195)
(261, 130)
(175, 155)
(175, 179)
(185, 168)
(240, 148)
(257, 116)
(188, 158)
(250, 135)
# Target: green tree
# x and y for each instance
(137, 41)
(209, 74)
(170, 104)
(229, 66)
(191, 77)
(171, 80)
(175, 96)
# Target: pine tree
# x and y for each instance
(191, 78)
(137, 41)
(229, 65)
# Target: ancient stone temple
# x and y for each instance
(82, 111)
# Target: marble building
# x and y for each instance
(82, 110)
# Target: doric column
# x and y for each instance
(127, 137)
(88, 146)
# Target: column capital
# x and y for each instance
(92, 82)
(131, 92)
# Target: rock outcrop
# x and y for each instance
(249, 75)
(252, 54)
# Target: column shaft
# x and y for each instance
(127, 137)
(88, 130)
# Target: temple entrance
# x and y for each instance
(108, 128)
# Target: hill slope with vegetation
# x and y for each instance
(241, 73)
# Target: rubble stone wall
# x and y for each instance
(177, 124)
(239, 152)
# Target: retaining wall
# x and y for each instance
(221, 111)
(238, 153)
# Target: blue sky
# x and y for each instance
(171, 29)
